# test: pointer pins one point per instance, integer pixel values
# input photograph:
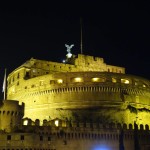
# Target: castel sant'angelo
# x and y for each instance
(80, 104)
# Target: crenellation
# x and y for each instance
(84, 126)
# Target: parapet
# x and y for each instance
(11, 104)
(57, 123)
(89, 59)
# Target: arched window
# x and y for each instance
(77, 79)
(125, 81)
(101, 79)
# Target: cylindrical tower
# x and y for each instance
(90, 96)
(11, 114)
(83, 89)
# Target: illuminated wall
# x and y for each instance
(63, 94)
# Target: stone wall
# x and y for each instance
(89, 136)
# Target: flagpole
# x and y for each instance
(81, 36)
(4, 85)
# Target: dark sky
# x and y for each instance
(116, 31)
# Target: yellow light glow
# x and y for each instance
(78, 79)
(95, 79)
(125, 81)
(144, 85)
(114, 80)
(59, 81)
(98, 79)
(69, 55)
(25, 122)
(56, 123)
(136, 83)
(13, 89)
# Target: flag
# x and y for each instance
(4, 82)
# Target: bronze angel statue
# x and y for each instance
(69, 47)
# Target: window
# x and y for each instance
(135, 83)
(144, 85)
(41, 138)
(17, 83)
(114, 80)
(56, 123)
(41, 83)
(8, 137)
(77, 79)
(32, 86)
(49, 138)
(22, 137)
(25, 122)
(52, 81)
(27, 75)
(18, 76)
(125, 81)
(59, 81)
(98, 79)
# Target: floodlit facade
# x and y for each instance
(82, 103)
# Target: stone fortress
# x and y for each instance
(82, 103)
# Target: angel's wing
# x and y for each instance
(66, 45)
(71, 45)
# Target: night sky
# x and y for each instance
(116, 31)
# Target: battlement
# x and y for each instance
(11, 107)
(62, 134)
(83, 126)
(88, 60)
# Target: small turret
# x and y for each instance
(11, 114)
